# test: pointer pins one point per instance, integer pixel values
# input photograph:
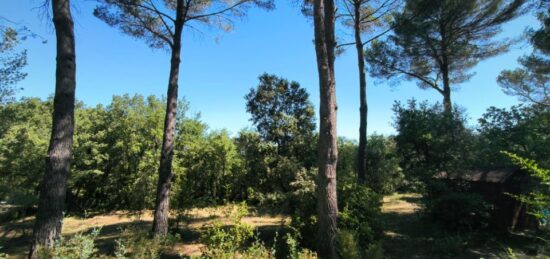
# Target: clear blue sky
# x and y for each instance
(218, 68)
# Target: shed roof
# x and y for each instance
(499, 175)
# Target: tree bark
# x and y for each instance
(162, 204)
(446, 92)
(447, 105)
(49, 218)
(363, 108)
(327, 206)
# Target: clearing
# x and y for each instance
(407, 234)
(15, 235)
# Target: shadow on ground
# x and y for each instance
(15, 235)
(408, 234)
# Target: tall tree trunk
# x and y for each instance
(447, 105)
(363, 108)
(445, 68)
(327, 206)
(49, 218)
(162, 204)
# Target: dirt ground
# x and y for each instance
(410, 235)
(407, 233)
(15, 235)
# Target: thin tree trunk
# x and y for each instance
(162, 204)
(447, 105)
(363, 108)
(327, 206)
(49, 218)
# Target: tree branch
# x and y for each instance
(159, 13)
(217, 12)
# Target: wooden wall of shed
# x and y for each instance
(508, 212)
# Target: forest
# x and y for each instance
(145, 176)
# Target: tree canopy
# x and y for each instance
(437, 43)
(530, 82)
(12, 62)
(281, 111)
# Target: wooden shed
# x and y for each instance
(495, 185)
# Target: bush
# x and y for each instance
(459, 210)
(360, 212)
(374, 251)
(538, 197)
(292, 249)
(238, 240)
(80, 246)
(429, 140)
(222, 241)
(384, 175)
(346, 245)
(138, 243)
(304, 216)
(448, 245)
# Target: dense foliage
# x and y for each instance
(282, 165)
(12, 62)
(429, 140)
(523, 130)
(438, 151)
(530, 82)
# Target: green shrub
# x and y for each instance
(360, 212)
(304, 216)
(238, 240)
(459, 210)
(430, 140)
(538, 197)
(222, 241)
(374, 251)
(80, 246)
(384, 174)
(346, 245)
(448, 245)
(292, 248)
(138, 243)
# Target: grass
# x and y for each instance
(15, 235)
(410, 235)
(407, 233)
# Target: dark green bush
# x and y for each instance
(384, 175)
(346, 245)
(429, 140)
(80, 246)
(460, 210)
(360, 212)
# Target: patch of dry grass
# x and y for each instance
(400, 203)
(15, 235)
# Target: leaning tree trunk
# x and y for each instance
(327, 206)
(49, 218)
(363, 108)
(162, 204)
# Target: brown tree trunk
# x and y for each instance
(447, 105)
(327, 206)
(363, 108)
(162, 204)
(49, 218)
